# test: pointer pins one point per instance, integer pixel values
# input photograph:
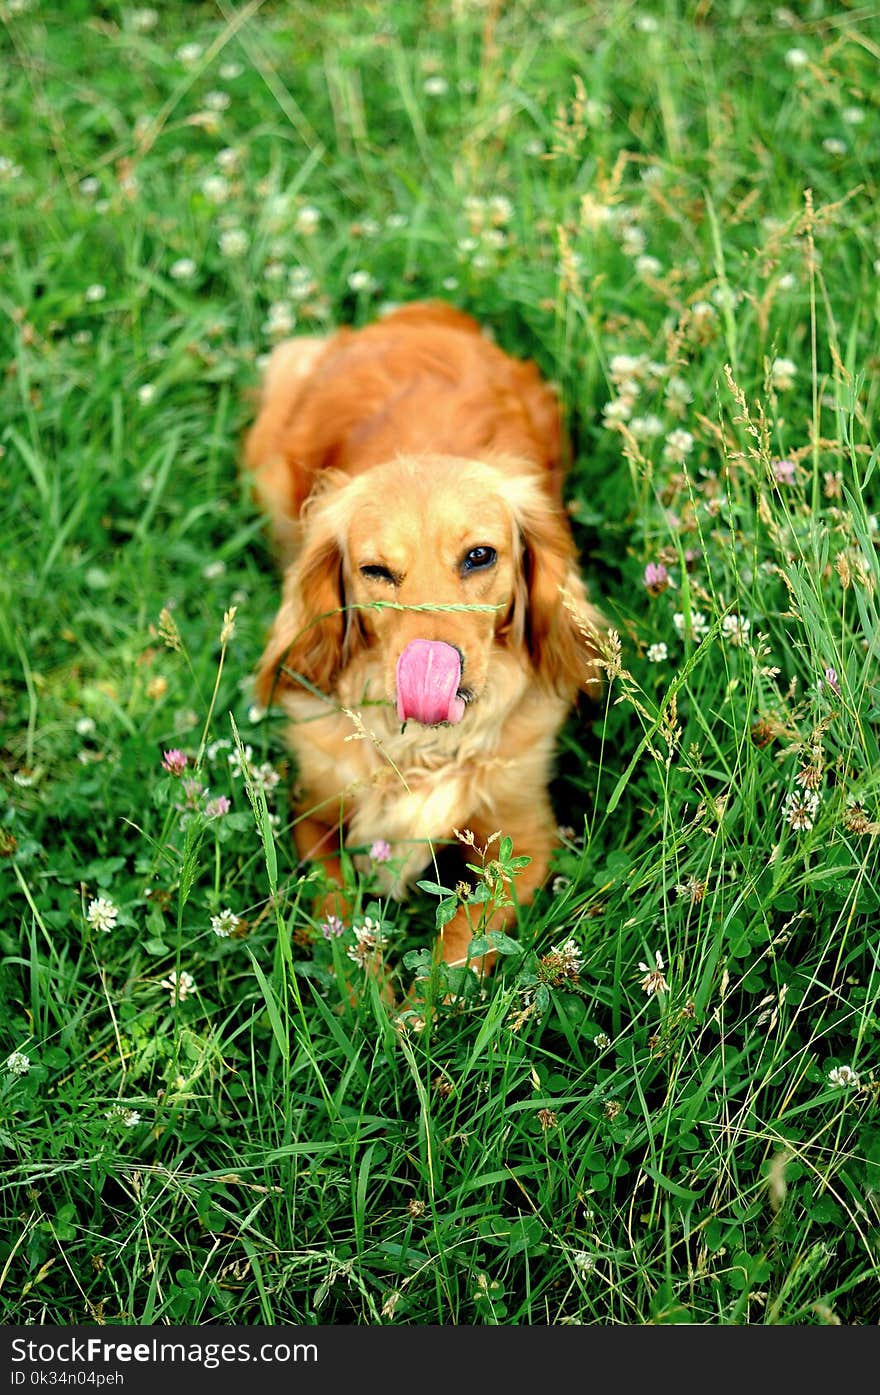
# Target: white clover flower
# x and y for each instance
(583, 1261)
(657, 652)
(787, 282)
(128, 1117)
(699, 626)
(95, 292)
(653, 980)
(646, 428)
(301, 283)
(239, 764)
(183, 269)
(211, 570)
(800, 808)
(678, 391)
(217, 101)
(703, 311)
(361, 281)
(102, 914)
(225, 923)
(233, 242)
(230, 71)
(267, 776)
(90, 186)
(853, 116)
(632, 240)
(189, 54)
(370, 930)
(435, 86)
(679, 444)
(782, 373)
(725, 297)
(280, 320)
(368, 938)
(145, 393)
(500, 208)
(494, 239)
(646, 265)
(844, 1076)
(307, 220)
(626, 367)
(736, 629)
(85, 726)
(144, 20)
(601, 1041)
(18, 1063)
(796, 58)
(180, 985)
(834, 145)
(617, 410)
(570, 958)
(215, 188)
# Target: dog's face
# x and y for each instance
(429, 565)
(443, 542)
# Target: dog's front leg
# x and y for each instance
(317, 841)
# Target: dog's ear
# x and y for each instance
(308, 636)
(553, 617)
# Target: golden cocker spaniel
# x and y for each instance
(432, 607)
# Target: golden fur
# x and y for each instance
(402, 446)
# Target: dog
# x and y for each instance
(434, 630)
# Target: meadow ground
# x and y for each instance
(664, 1108)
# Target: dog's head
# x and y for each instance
(430, 565)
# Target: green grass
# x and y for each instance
(268, 1149)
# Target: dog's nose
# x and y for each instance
(428, 677)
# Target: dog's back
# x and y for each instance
(423, 379)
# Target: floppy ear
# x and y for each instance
(559, 626)
(308, 635)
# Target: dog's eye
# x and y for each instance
(479, 558)
(375, 572)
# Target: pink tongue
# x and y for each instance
(428, 675)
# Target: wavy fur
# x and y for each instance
(400, 448)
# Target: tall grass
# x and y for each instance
(663, 1108)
